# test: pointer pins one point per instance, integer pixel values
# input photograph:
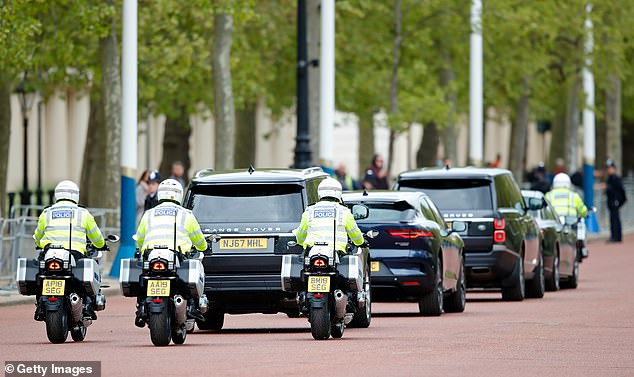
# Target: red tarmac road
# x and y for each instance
(584, 332)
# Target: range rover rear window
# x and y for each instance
(388, 212)
(453, 194)
(248, 203)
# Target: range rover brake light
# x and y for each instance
(499, 235)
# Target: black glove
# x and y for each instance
(365, 243)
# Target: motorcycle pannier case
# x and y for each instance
(292, 266)
(351, 271)
(27, 276)
(129, 277)
(86, 270)
(192, 274)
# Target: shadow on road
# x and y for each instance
(255, 331)
(397, 314)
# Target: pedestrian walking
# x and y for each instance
(141, 193)
(615, 193)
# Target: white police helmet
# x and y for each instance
(561, 180)
(170, 189)
(329, 188)
(67, 190)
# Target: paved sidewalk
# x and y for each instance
(12, 297)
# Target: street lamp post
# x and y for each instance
(303, 157)
(26, 101)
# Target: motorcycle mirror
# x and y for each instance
(134, 237)
(566, 229)
(113, 238)
(372, 233)
(593, 209)
(360, 211)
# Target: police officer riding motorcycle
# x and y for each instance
(333, 297)
(571, 209)
(169, 241)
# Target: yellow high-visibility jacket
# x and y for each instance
(66, 224)
(157, 229)
(567, 202)
(318, 225)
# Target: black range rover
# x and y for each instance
(502, 241)
(254, 212)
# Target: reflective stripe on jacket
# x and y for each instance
(318, 225)
(65, 221)
(567, 202)
(157, 229)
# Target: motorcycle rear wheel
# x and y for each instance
(320, 323)
(160, 325)
(57, 325)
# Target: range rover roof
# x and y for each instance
(257, 175)
(456, 173)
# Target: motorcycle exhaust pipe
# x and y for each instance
(76, 307)
(341, 301)
(180, 312)
(203, 303)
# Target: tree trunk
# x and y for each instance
(396, 59)
(94, 153)
(110, 190)
(366, 141)
(5, 138)
(245, 136)
(450, 137)
(176, 142)
(557, 144)
(428, 150)
(519, 133)
(613, 121)
(571, 139)
(223, 95)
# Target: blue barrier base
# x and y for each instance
(128, 219)
(125, 251)
(592, 225)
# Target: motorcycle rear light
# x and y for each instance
(498, 223)
(158, 266)
(318, 295)
(157, 300)
(320, 263)
(499, 236)
(54, 266)
(409, 233)
(411, 283)
(52, 298)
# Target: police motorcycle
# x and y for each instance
(166, 286)
(579, 226)
(66, 287)
(333, 288)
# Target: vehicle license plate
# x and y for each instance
(319, 284)
(375, 266)
(158, 288)
(243, 243)
(52, 287)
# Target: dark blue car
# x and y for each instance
(414, 257)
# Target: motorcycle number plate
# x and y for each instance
(375, 267)
(158, 288)
(319, 284)
(52, 287)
